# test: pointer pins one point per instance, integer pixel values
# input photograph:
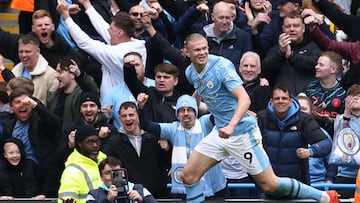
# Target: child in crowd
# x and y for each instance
(17, 174)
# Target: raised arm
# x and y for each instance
(85, 81)
(9, 45)
(6, 73)
(172, 54)
(134, 84)
(145, 123)
(345, 49)
(100, 25)
(348, 23)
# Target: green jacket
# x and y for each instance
(72, 103)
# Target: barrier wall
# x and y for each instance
(325, 186)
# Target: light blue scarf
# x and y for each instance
(184, 143)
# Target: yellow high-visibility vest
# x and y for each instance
(81, 174)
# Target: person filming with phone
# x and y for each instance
(116, 187)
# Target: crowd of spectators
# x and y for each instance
(98, 78)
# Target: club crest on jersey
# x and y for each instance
(177, 174)
(348, 141)
(210, 84)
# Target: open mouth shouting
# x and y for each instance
(25, 60)
(89, 116)
(23, 113)
(129, 126)
(44, 37)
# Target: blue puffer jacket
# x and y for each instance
(281, 138)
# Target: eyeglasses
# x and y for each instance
(187, 109)
(110, 172)
(107, 173)
(136, 14)
(93, 141)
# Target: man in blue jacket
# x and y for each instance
(286, 134)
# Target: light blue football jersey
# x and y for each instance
(214, 84)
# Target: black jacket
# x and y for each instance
(259, 95)
(158, 108)
(43, 131)
(20, 180)
(148, 168)
(63, 150)
(44, 134)
(297, 70)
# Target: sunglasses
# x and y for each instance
(93, 141)
(136, 14)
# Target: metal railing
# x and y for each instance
(323, 186)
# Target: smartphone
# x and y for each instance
(120, 180)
